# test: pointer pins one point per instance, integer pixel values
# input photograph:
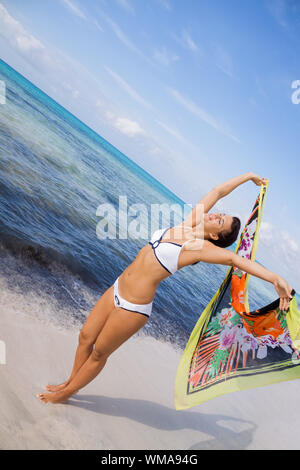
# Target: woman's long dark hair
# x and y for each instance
(228, 237)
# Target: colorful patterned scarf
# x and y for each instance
(232, 348)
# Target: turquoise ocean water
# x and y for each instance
(54, 174)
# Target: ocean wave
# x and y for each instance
(24, 262)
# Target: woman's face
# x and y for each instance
(217, 222)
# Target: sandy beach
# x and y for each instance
(130, 405)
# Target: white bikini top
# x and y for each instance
(167, 253)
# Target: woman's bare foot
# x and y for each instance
(54, 397)
(57, 388)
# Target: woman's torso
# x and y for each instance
(154, 263)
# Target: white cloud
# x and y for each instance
(165, 4)
(25, 43)
(223, 60)
(99, 103)
(279, 250)
(74, 92)
(164, 57)
(128, 89)
(172, 132)
(278, 10)
(125, 125)
(14, 32)
(291, 244)
(75, 9)
(126, 5)
(155, 150)
(266, 231)
(201, 114)
(109, 114)
(128, 127)
(186, 41)
(98, 26)
(121, 35)
(124, 38)
(72, 7)
(271, 235)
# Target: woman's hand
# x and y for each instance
(284, 291)
(258, 180)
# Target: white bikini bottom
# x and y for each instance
(144, 309)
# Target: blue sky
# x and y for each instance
(194, 91)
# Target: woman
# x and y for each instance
(125, 307)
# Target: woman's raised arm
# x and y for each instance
(211, 253)
(217, 193)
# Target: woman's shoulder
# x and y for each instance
(198, 244)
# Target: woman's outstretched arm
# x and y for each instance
(217, 193)
(211, 253)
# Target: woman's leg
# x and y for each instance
(120, 326)
(88, 335)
